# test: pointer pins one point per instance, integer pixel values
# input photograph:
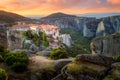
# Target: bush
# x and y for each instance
(19, 67)
(58, 53)
(3, 74)
(1, 48)
(17, 61)
(117, 58)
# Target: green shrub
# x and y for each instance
(28, 34)
(117, 58)
(37, 39)
(19, 66)
(58, 53)
(109, 78)
(17, 61)
(1, 48)
(3, 74)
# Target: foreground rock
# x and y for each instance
(90, 67)
(59, 64)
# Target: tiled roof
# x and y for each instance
(48, 27)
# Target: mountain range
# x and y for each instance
(11, 17)
(87, 26)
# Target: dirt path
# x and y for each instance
(40, 62)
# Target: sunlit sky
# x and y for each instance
(45, 7)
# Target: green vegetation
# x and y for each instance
(117, 58)
(58, 53)
(116, 35)
(109, 78)
(3, 74)
(75, 67)
(37, 39)
(80, 44)
(17, 61)
(1, 50)
(44, 39)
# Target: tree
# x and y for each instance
(58, 53)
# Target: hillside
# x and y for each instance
(87, 26)
(59, 14)
(11, 17)
(65, 21)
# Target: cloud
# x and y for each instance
(44, 7)
(114, 1)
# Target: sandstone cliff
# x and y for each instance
(84, 25)
(14, 39)
(108, 45)
(3, 36)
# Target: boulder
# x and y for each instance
(59, 64)
(96, 59)
(88, 67)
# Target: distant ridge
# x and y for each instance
(99, 15)
(59, 14)
(11, 17)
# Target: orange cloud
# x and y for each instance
(114, 1)
(45, 7)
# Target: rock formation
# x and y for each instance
(80, 24)
(3, 35)
(66, 39)
(100, 29)
(14, 39)
(108, 45)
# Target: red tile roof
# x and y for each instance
(48, 27)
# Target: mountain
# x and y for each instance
(66, 21)
(87, 26)
(59, 14)
(11, 17)
(99, 15)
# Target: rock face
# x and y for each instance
(14, 39)
(96, 59)
(66, 39)
(100, 29)
(69, 21)
(3, 36)
(108, 45)
(59, 64)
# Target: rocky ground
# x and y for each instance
(91, 67)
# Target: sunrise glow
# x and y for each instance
(45, 7)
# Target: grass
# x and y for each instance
(75, 67)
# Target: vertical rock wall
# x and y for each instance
(108, 46)
(3, 36)
(14, 39)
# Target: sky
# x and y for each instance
(46, 7)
